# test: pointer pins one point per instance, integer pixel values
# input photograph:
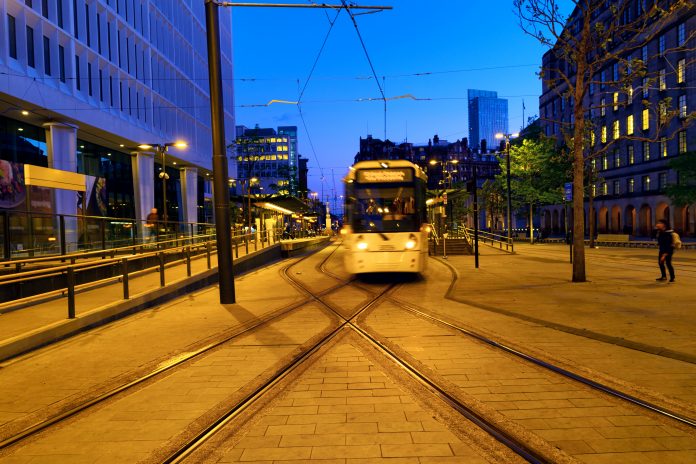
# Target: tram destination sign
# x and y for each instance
(366, 176)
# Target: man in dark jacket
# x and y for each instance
(666, 249)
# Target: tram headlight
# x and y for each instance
(362, 245)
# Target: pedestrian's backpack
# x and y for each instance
(676, 241)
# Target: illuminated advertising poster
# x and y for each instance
(13, 192)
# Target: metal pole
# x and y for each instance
(7, 244)
(509, 198)
(162, 149)
(63, 247)
(161, 268)
(124, 271)
(70, 277)
(220, 176)
(476, 222)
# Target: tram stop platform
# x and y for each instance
(348, 401)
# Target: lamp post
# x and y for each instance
(507, 138)
(161, 149)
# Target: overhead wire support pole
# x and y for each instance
(217, 123)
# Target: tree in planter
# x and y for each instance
(600, 36)
(684, 191)
(538, 171)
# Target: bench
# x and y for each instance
(622, 238)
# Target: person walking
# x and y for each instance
(665, 243)
(152, 224)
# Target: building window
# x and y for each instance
(645, 182)
(59, 5)
(662, 79)
(617, 187)
(47, 55)
(604, 134)
(682, 142)
(661, 45)
(78, 84)
(617, 159)
(602, 80)
(89, 78)
(662, 180)
(644, 55)
(629, 94)
(12, 35)
(603, 107)
(44, 8)
(682, 106)
(605, 189)
(631, 185)
(615, 72)
(629, 124)
(101, 85)
(646, 119)
(681, 34)
(594, 190)
(646, 151)
(663, 147)
(631, 158)
(61, 63)
(605, 162)
(76, 25)
(681, 71)
(616, 129)
(108, 38)
(646, 87)
(111, 91)
(99, 41)
(616, 101)
(662, 110)
(31, 61)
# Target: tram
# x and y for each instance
(385, 227)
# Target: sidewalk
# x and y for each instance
(46, 321)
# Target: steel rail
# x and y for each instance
(165, 366)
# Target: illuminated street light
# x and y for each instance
(161, 149)
(507, 138)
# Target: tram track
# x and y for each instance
(349, 323)
(162, 367)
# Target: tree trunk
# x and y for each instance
(531, 223)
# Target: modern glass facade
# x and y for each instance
(488, 115)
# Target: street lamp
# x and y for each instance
(161, 149)
(507, 138)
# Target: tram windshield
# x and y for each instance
(385, 209)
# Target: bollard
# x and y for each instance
(71, 292)
(124, 272)
(207, 253)
(188, 261)
(246, 244)
(236, 250)
(161, 268)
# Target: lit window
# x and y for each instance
(629, 124)
(616, 130)
(682, 142)
(646, 119)
(592, 138)
(631, 155)
(605, 190)
(605, 162)
(646, 151)
(681, 71)
(662, 108)
(617, 159)
(631, 185)
(646, 183)
(603, 107)
(663, 147)
(594, 190)
(629, 94)
(616, 101)
(604, 134)
(662, 79)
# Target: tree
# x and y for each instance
(596, 37)
(538, 170)
(493, 199)
(684, 192)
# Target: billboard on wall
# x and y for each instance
(12, 188)
(19, 182)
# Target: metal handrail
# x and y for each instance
(491, 239)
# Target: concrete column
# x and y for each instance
(189, 194)
(61, 144)
(143, 165)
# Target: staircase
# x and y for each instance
(455, 246)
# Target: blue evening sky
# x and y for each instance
(465, 44)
